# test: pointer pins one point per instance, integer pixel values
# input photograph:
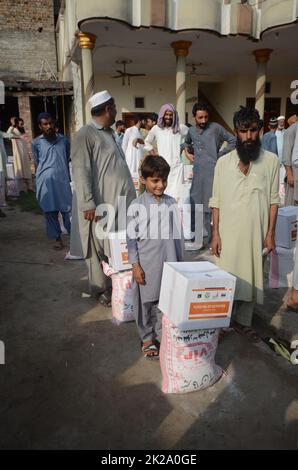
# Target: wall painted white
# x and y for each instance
(226, 96)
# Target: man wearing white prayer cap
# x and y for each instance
(281, 121)
(100, 98)
(100, 176)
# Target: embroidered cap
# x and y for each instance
(99, 98)
(273, 121)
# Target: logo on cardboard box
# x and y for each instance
(293, 235)
(124, 256)
(203, 310)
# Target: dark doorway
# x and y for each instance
(7, 111)
(272, 109)
(60, 107)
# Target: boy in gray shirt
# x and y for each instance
(154, 236)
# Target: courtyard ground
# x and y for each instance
(74, 380)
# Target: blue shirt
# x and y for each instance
(53, 190)
(269, 142)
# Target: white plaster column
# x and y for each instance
(181, 51)
(262, 57)
(87, 44)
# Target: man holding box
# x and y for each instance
(244, 209)
(101, 175)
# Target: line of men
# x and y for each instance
(244, 198)
(202, 144)
(284, 143)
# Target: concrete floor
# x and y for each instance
(74, 380)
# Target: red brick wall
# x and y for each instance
(26, 37)
(27, 15)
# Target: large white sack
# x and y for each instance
(281, 267)
(123, 285)
(187, 358)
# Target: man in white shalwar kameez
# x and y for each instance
(132, 146)
(169, 136)
(244, 206)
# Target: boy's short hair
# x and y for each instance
(155, 166)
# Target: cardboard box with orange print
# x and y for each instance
(119, 251)
(197, 295)
(286, 227)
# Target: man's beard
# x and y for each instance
(248, 151)
(50, 136)
(168, 122)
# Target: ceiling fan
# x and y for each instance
(123, 74)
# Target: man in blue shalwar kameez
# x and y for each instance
(51, 155)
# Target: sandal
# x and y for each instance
(247, 332)
(150, 351)
(105, 298)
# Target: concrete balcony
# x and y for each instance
(223, 17)
(277, 13)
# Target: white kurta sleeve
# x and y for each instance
(274, 188)
(150, 139)
(125, 140)
(215, 198)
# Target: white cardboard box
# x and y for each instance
(196, 295)
(119, 251)
(281, 267)
(286, 227)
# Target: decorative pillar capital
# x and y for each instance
(181, 48)
(86, 40)
(262, 55)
